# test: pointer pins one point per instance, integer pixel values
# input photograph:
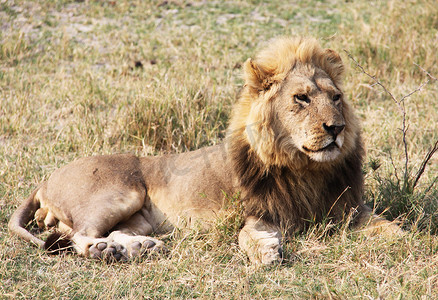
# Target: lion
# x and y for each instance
(293, 152)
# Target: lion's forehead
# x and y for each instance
(326, 84)
(314, 83)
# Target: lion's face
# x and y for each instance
(292, 110)
(309, 114)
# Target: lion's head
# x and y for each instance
(292, 108)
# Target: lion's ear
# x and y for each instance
(332, 56)
(333, 64)
(256, 78)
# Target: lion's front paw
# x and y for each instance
(269, 253)
(262, 247)
(385, 228)
(371, 225)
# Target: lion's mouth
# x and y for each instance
(329, 147)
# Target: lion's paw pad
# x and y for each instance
(141, 247)
(101, 246)
(108, 251)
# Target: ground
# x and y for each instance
(80, 78)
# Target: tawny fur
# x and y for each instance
(293, 150)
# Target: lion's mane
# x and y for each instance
(285, 187)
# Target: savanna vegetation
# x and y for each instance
(81, 78)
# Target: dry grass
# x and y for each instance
(93, 77)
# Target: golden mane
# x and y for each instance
(276, 60)
(282, 187)
(282, 54)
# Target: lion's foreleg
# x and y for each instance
(260, 241)
(371, 224)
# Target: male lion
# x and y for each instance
(293, 150)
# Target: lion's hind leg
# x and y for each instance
(129, 239)
(100, 248)
(137, 245)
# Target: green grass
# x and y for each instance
(80, 78)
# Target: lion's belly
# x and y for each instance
(169, 210)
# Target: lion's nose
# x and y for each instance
(333, 130)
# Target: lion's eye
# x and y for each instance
(336, 97)
(302, 98)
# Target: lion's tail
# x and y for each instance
(22, 216)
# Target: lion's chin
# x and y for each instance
(325, 156)
(327, 153)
